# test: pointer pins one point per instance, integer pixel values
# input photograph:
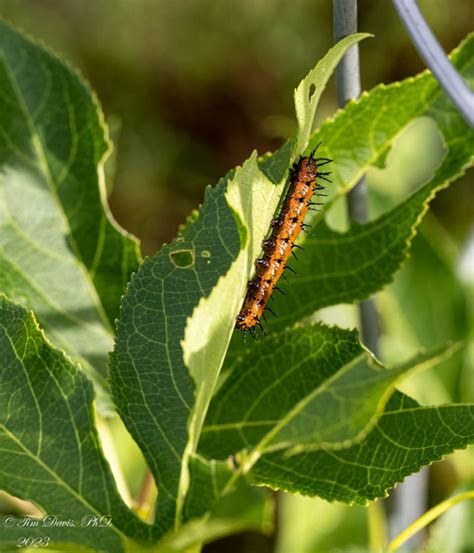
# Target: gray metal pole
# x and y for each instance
(435, 58)
(348, 87)
(410, 497)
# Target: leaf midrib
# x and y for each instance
(197, 419)
(259, 449)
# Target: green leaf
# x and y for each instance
(366, 128)
(49, 447)
(308, 92)
(405, 438)
(308, 388)
(348, 267)
(306, 99)
(152, 387)
(61, 253)
(179, 312)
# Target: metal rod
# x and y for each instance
(348, 71)
(435, 58)
(348, 87)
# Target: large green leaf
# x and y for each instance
(179, 312)
(50, 454)
(49, 448)
(307, 388)
(350, 266)
(405, 438)
(61, 253)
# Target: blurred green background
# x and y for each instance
(189, 88)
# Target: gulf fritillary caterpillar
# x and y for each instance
(279, 246)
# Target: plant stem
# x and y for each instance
(146, 497)
(377, 527)
(426, 518)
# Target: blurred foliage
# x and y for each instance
(311, 524)
(189, 88)
(196, 84)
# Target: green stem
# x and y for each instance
(426, 518)
(377, 523)
(145, 501)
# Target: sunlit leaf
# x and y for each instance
(406, 438)
(61, 253)
(49, 447)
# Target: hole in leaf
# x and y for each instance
(182, 258)
(312, 90)
(205, 253)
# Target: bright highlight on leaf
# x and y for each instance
(61, 253)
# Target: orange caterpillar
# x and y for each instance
(278, 247)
